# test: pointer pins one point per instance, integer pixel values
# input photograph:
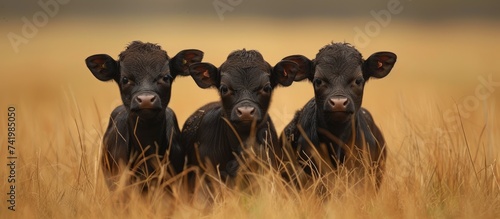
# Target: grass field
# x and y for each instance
(437, 110)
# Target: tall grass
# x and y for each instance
(433, 169)
(428, 175)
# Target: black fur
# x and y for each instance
(336, 135)
(142, 131)
(218, 131)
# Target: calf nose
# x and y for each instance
(245, 112)
(339, 104)
(146, 101)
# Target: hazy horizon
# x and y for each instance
(416, 10)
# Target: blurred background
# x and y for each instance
(438, 108)
(447, 55)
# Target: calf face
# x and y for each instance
(144, 74)
(217, 131)
(333, 123)
(339, 74)
(143, 129)
(245, 82)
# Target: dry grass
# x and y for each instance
(436, 168)
(428, 176)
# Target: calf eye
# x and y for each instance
(223, 89)
(167, 78)
(317, 82)
(267, 88)
(125, 80)
(358, 81)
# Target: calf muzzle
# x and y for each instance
(338, 109)
(146, 101)
(245, 112)
(338, 104)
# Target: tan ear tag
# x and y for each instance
(205, 74)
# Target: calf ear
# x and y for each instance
(179, 65)
(102, 66)
(306, 69)
(284, 73)
(204, 74)
(379, 65)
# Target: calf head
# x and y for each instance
(245, 82)
(339, 74)
(144, 73)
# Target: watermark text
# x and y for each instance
(30, 27)
(11, 158)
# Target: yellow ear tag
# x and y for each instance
(379, 64)
(184, 61)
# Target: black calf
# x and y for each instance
(218, 131)
(332, 127)
(142, 131)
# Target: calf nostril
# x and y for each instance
(245, 111)
(146, 101)
(339, 103)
